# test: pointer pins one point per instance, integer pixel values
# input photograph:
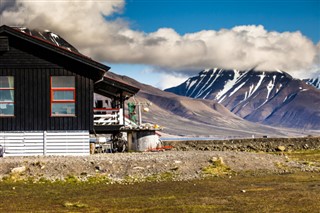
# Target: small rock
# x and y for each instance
(177, 161)
(213, 159)
(174, 168)
(18, 169)
(244, 191)
(281, 148)
(138, 168)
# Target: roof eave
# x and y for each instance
(65, 52)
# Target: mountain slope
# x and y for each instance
(314, 82)
(185, 116)
(49, 37)
(272, 98)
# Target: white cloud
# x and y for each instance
(168, 80)
(81, 22)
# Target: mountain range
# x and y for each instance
(225, 103)
(197, 117)
(268, 97)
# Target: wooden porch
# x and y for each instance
(110, 120)
(107, 120)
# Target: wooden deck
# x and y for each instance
(107, 120)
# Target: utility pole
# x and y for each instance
(147, 104)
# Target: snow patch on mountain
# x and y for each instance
(314, 82)
(229, 85)
(237, 88)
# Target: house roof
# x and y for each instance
(46, 43)
(111, 87)
(106, 86)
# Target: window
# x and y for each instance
(63, 96)
(6, 96)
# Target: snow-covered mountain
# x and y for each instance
(272, 98)
(49, 37)
(314, 82)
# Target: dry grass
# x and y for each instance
(222, 191)
(298, 192)
(305, 155)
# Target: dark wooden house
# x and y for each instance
(47, 96)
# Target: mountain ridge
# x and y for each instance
(267, 97)
(195, 117)
(314, 82)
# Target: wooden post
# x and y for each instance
(122, 105)
(140, 116)
(129, 139)
(45, 143)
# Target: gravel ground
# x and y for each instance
(182, 165)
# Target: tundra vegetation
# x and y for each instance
(220, 189)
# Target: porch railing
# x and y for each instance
(105, 117)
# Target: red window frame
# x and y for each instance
(52, 101)
(8, 102)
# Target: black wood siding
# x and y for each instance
(32, 67)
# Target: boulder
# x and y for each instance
(281, 148)
(18, 169)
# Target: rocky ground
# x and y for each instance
(118, 167)
(249, 145)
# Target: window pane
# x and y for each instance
(6, 109)
(6, 82)
(6, 95)
(63, 81)
(63, 109)
(63, 95)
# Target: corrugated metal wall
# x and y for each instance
(45, 143)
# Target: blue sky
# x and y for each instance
(192, 16)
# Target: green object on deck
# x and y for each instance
(131, 107)
(132, 111)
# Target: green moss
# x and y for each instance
(166, 176)
(216, 168)
(280, 165)
(44, 180)
(71, 179)
(13, 177)
(98, 179)
(263, 193)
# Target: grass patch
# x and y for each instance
(166, 176)
(71, 179)
(294, 192)
(98, 179)
(305, 155)
(216, 168)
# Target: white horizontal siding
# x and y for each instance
(22, 143)
(64, 143)
(75, 143)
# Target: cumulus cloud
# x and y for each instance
(83, 24)
(170, 80)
